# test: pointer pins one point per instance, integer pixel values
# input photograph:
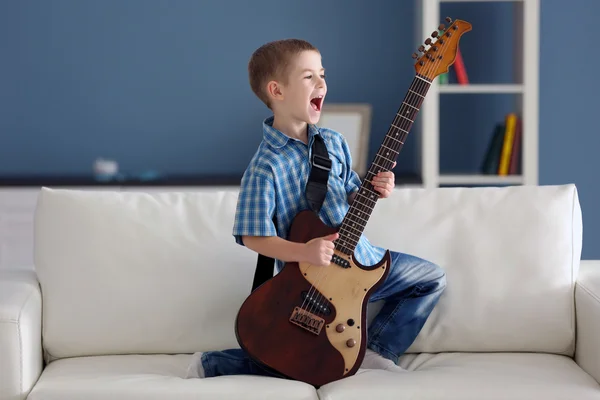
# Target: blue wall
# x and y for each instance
(164, 85)
(160, 85)
(569, 107)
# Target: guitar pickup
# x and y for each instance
(316, 302)
(307, 320)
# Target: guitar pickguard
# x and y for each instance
(346, 289)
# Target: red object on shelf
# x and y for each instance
(459, 67)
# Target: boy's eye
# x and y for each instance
(310, 76)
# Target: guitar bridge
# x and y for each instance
(307, 320)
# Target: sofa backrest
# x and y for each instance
(132, 272)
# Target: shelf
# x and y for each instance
(480, 88)
(507, 86)
(475, 179)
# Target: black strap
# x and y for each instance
(316, 189)
(265, 267)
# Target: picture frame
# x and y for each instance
(353, 121)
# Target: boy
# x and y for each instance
(288, 77)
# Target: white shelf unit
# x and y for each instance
(526, 58)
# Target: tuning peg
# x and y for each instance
(428, 41)
(414, 55)
(442, 27)
(421, 48)
(449, 20)
(434, 34)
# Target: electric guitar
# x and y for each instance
(308, 323)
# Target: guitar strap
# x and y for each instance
(316, 189)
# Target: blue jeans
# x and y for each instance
(411, 291)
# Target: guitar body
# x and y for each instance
(309, 322)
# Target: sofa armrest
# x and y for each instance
(21, 360)
(587, 305)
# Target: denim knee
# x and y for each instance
(438, 278)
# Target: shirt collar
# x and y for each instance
(277, 139)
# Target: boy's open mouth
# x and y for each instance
(316, 102)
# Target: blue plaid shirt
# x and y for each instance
(275, 181)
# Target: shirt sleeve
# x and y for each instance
(352, 181)
(255, 208)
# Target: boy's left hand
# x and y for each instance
(384, 182)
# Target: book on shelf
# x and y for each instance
(503, 155)
(459, 68)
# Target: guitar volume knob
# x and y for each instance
(340, 328)
(350, 342)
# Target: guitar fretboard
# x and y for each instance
(366, 197)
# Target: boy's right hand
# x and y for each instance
(320, 250)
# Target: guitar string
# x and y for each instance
(319, 299)
(405, 129)
(420, 85)
(399, 124)
(395, 123)
(395, 146)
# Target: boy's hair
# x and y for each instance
(271, 61)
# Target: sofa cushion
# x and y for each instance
(511, 257)
(462, 376)
(129, 272)
(154, 377)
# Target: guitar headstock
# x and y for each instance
(441, 54)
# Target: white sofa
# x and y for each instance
(128, 285)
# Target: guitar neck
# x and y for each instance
(366, 197)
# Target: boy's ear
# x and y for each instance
(275, 90)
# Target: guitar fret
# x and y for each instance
(411, 113)
(362, 195)
(348, 240)
(352, 243)
(407, 118)
(418, 94)
(380, 165)
(353, 227)
(354, 215)
(369, 190)
(350, 233)
(386, 159)
(346, 236)
(383, 145)
(410, 105)
(399, 127)
(397, 140)
(340, 247)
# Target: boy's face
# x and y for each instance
(303, 96)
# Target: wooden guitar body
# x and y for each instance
(309, 322)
